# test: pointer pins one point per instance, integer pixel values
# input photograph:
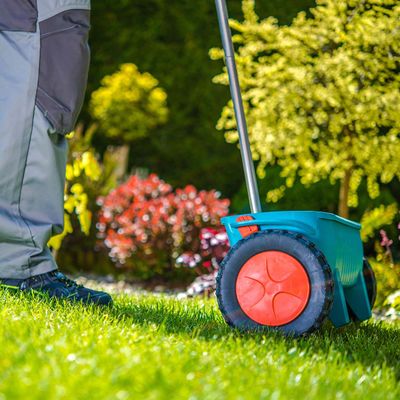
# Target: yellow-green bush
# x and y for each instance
(322, 95)
(375, 219)
(129, 103)
(388, 280)
(393, 303)
(82, 166)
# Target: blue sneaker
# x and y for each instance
(57, 285)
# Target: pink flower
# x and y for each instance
(144, 218)
(385, 241)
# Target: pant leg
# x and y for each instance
(41, 93)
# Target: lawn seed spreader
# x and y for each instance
(288, 270)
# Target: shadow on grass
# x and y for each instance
(193, 321)
(371, 344)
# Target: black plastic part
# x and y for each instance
(18, 15)
(64, 66)
(299, 247)
(370, 282)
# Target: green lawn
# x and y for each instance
(150, 347)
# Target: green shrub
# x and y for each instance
(129, 104)
(388, 280)
(376, 218)
(82, 167)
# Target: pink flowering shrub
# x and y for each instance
(214, 246)
(146, 224)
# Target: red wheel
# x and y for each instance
(275, 279)
(272, 288)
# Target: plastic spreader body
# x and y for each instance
(337, 238)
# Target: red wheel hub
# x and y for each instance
(272, 288)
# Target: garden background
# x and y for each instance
(150, 172)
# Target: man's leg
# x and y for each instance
(44, 59)
(43, 72)
(42, 191)
(19, 61)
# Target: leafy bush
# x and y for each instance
(388, 280)
(387, 270)
(377, 218)
(128, 104)
(82, 166)
(322, 95)
(393, 303)
(146, 224)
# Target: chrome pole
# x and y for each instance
(248, 165)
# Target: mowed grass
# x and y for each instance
(149, 347)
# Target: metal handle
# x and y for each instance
(248, 166)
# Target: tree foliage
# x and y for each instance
(376, 218)
(322, 95)
(171, 39)
(129, 104)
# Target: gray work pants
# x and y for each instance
(44, 59)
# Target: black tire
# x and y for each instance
(297, 246)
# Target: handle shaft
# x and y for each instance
(248, 165)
